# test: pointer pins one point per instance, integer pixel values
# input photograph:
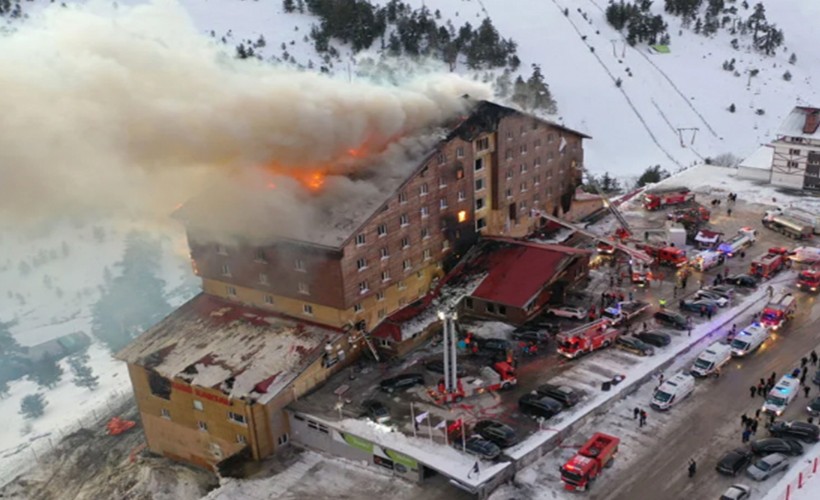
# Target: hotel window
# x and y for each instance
(404, 220)
(363, 288)
(425, 233)
(445, 245)
(442, 203)
(405, 242)
(380, 296)
(423, 190)
(263, 279)
(407, 265)
(164, 413)
(479, 203)
(269, 300)
(403, 197)
(442, 158)
(202, 426)
(357, 308)
(427, 255)
(509, 173)
(260, 255)
(425, 212)
(479, 184)
(481, 223)
(508, 154)
(479, 164)
(482, 144)
(442, 182)
(361, 264)
(240, 438)
(384, 253)
(226, 271)
(382, 314)
(221, 250)
(460, 152)
(381, 230)
(307, 309)
(385, 275)
(299, 265)
(303, 288)
(360, 239)
(523, 168)
(400, 285)
(522, 149)
(237, 418)
(462, 195)
(231, 291)
(508, 193)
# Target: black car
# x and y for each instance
(635, 346)
(495, 345)
(492, 430)
(698, 305)
(671, 319)
(479, 447)
(767, 446)
(816, 378)
(376, 411)
(742, 280)
(814, 406)
(539, 406)
(734, 461)
(567, 396)
(530, 335)
(437, 366)
(808, 433)
(401, 382)
(657, 339)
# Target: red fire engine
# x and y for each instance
(657, 199)
(501, 376)
(779, 310)
(586, 338)
(771, 263)
(666, 256)
(587, 464)
(809, 280)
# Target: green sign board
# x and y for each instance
(402, 459)
(357, 442)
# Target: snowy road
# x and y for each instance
(712, 426)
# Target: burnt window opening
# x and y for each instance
(159, 385)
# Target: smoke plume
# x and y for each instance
(108, 108)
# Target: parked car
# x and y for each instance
(501, 346)
(742, 281)
(736, 492)
(657, 339)
(816, 378)
(568, 312)
(713, 296)
(437, 366)
(814, 406)
(808, 433)
(530, 335)
(565, 395)
(722, 290)
(401, 382)
(376, 411)
(492, 430)
(479, 447)
(767, 446)
(767, 466)
(734, 461)
(635, 346)
(671, 319)
(539, 406)
(698, 305)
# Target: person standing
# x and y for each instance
(745, 435)
(752, 391)
(813, 357)
(635, 413)
(754, 426)
(806, 390)
(643, 418)
(803, 380)
(804, 361)
(757, 414)
(693, 467)
(729, 212)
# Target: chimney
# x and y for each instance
(812, 121)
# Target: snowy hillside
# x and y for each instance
(633, 126)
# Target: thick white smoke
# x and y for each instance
(108, 107)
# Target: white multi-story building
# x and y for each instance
(796, 159)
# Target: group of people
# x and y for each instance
(639, 415)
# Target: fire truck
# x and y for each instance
(500, 376)
(779, 310)
(809, 280)
(697, 215)
(586, 338)
(587, 464)
(665, 256)
(770, 263)
(660, 198)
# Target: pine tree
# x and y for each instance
(84, 377)
(33, 406)
(47, 372)
(732, 108)
(289, 5)
(540, 96)
(787, 76)
(520, 93)
(793, 58)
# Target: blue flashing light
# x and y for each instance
(781, 390)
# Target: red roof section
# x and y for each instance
(517, 272)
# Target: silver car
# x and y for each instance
(736, 492)
(766, 466)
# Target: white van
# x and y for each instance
(749, 339)
(783, 393)
(672, 391)
(711, 359)
(707, 259)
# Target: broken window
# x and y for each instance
(159, 385)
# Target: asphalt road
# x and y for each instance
(711, 425)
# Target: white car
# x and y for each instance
(736, 492)
(707, 294)
(568, 312)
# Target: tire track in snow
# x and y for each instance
(623, 92)
(666, 77)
